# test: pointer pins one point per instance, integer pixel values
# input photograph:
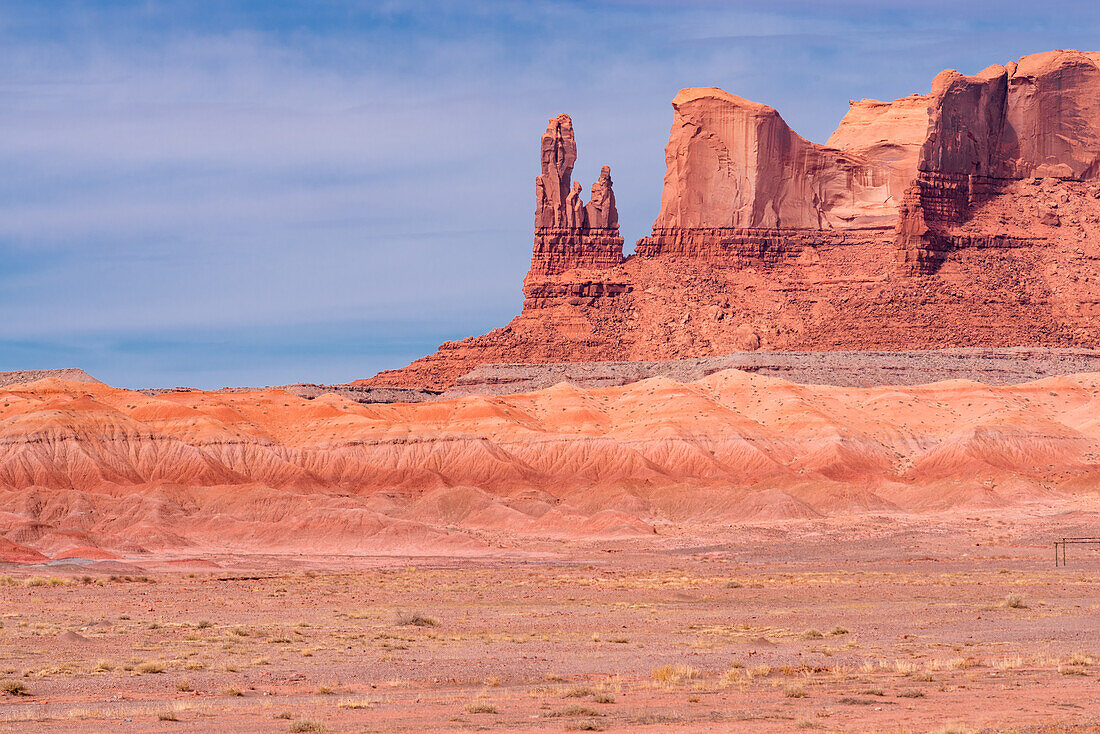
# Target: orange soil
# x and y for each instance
(945, 622)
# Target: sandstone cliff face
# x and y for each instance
(965, 217)
(736, 164)
(1052, 125)
(1038, 117)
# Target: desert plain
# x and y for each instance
(955, 621)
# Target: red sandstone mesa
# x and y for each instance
(962, 217)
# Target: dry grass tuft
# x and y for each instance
(481, 708)
(1014, 601)
(794, 692)
(151, 666)
(904, 667)
(672, 674)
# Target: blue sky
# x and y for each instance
(218, 193)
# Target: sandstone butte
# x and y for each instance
(93, 471)
(965, 217)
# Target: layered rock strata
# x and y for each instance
(840, 368)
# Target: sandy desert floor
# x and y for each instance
(951, 622)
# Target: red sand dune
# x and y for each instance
(103, 468)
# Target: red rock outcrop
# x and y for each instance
(736, 164)
(965, 217)
(85, 468)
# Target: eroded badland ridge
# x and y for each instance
(965, 217)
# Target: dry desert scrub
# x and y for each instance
(307, 725)
(415, 619)
(569, 711)
(14, 688)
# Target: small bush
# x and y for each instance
(577, 692)
(838, 631)
(307, 725)
(812, 634)
(1014, 601)
(481, 708)
(415, 619)
(604, 698)
(14, 688)
(150, 667)
(167, 716)
(571, 711)
(35, 581)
